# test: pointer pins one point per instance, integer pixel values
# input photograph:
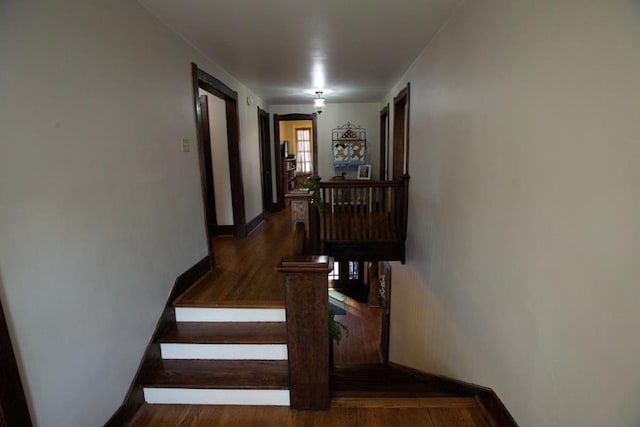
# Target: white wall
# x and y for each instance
(99, 208)
(250, 150)
(366, 115)
(220, 158)
(524, 211)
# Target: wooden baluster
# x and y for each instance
(326, 214)
(358, 216)
(376, 214)
(366, 216)
(357, 213)
(333, 215)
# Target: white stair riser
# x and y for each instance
(188, 396)
(224, 351)
(188, 314)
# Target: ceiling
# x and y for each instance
(284, 50)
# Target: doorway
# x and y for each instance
(217, 122)
(384, 143)
(265, 160)
(295, 138)
(401, 134)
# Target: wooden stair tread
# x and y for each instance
(234, 303)
(379, 380)
(227, 374)
(404, 402)
(225, 333)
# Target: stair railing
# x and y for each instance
(363, 210)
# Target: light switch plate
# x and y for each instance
(184, 145)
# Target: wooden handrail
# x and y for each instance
(339, 183)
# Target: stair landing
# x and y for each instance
(245, 276)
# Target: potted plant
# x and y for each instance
(336, 329)
(313, 184)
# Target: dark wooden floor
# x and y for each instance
(426, 412)
(364, 393)
(245, 275)
(362, 344)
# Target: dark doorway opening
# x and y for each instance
(265, 160)
(208, 185)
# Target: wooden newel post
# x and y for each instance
(307, 307)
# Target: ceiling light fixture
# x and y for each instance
(318, 102)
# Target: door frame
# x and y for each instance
(265, 160)
(14, 410)
(277, 118)
(384, 144)
(204, 80)
(401, 133)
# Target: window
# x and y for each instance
(347, 271)
(303, 150)
(354, 270)
(335, 273)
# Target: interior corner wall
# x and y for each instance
(366, 115)
(524, 209)
(100, 210)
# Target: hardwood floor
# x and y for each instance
(363, 392)
(245, 275)
(426, 412)
(362, 344)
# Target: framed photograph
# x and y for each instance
(364, 172)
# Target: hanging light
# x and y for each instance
(318, 102)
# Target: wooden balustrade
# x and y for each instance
(367, 219)
(358, 221)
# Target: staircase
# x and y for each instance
(221, 356)
(222, 340)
